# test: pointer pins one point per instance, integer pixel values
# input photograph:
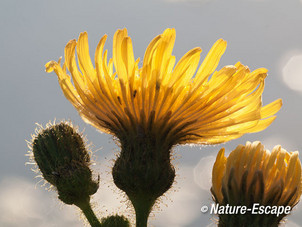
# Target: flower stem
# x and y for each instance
(89, 214)
(143, 207)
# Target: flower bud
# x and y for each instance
(115, 221)
(61, 155)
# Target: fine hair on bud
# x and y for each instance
(61, 155)
(115, 221)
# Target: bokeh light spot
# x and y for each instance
(292, 73)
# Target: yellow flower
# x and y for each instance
(158, 105)
(252, 175)
(161, 100)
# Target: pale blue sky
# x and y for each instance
(263, 33)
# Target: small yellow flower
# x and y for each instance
(160, 99)
(252, 175)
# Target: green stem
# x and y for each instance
(141, 217)
(143, 207)
(89, 214)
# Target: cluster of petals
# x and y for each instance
(252, 172)
(178, 104)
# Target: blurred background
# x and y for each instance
(260, 33)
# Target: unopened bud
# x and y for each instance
(61, 155)
(115, 221)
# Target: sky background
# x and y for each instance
(260, 33)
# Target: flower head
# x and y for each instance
(252, 175)
(171, 103)
(153, 107)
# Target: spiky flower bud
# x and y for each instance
(61, 155)
(252, 175)
(115, 221)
